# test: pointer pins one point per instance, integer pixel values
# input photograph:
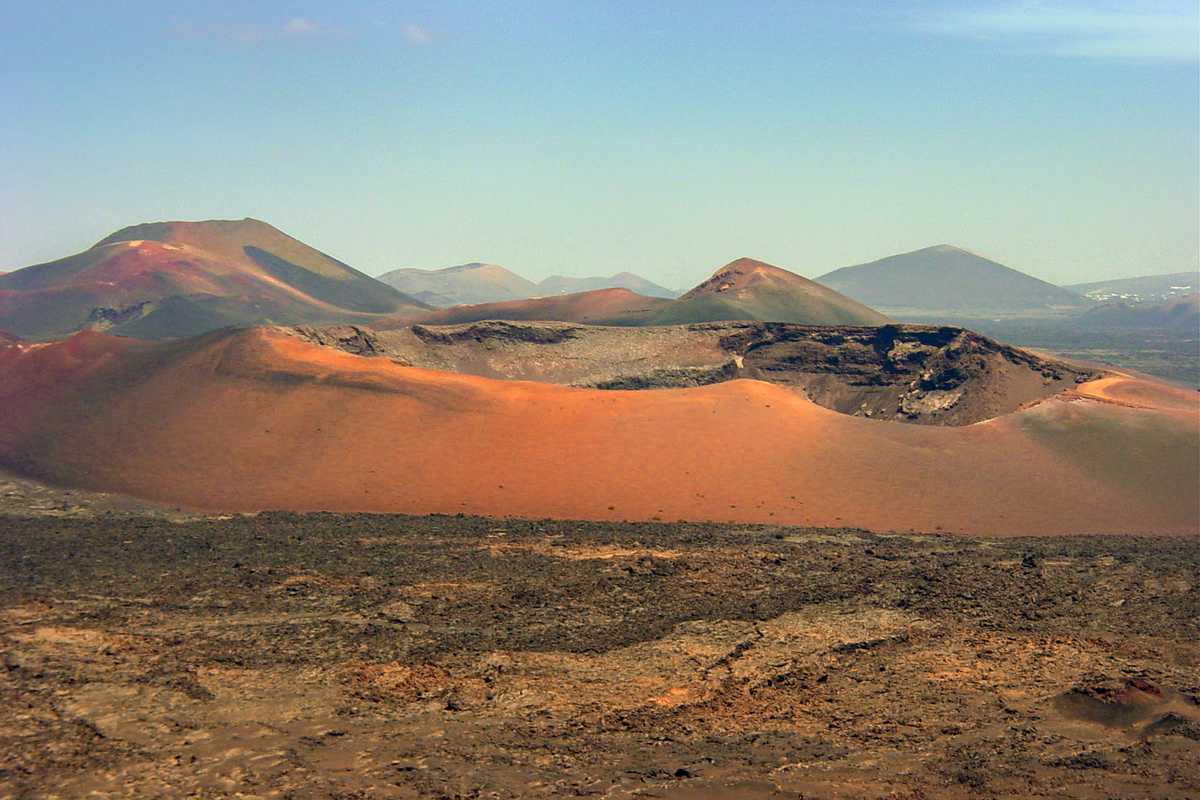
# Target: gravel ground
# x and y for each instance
(285, 655)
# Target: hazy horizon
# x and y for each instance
(1058, 138)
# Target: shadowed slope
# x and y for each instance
(259, 419)
(947, 278)
(167, 279)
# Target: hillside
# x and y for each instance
(1147, 288)
(260, 419)
(948, 279)
(746, 289)
(465, 284)
(560, 284)
(168, 279)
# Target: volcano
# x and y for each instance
(173, 279)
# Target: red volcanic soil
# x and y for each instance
(602, 306)
(259, 419)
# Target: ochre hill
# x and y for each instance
(746, 289)
(259, 419)
(169, 279)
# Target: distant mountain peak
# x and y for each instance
(946, 278)
(462, 284)
(739, 274)
(946, 249)
(747, 288)
(471, 266)
(563, 284)
(745, 263)
(164, 229)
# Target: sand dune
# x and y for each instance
(258, 419)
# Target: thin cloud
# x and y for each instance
(299, 26)
(1130, 31)
(415, 34)
(294, 28)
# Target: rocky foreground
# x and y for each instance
(345, 656)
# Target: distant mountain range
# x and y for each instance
(1147, 288)
(170, 279)
(468, 283)
(1176, 314)
(478, 282)
(597, 307)
(174, 279)
(558, 284)
(744, 289)
(945, 278)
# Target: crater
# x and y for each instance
(920, 374)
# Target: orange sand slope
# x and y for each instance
(257, 419)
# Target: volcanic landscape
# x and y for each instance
(275, 528)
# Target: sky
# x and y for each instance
(579, 138)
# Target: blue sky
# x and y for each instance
(581, 137)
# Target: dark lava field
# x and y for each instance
(356, 656)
